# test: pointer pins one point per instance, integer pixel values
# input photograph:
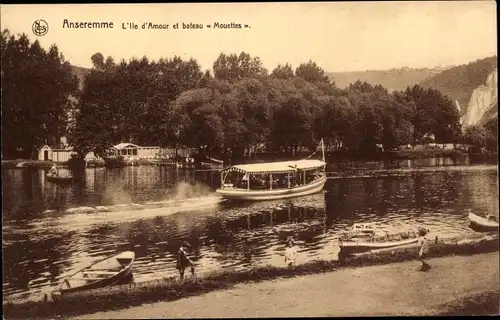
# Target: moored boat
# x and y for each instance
(114, 161)
(363, 240)
(20, 165)
(106, 272)
(59, 179)
(481, 223)
(273, 180)
(211, 163)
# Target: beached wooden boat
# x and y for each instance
(59, 179)
(103, 273)
(273, 180)
(360, 241)
(482, 223)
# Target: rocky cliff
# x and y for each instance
(458, 83)
(483, 102)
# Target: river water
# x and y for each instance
(51, 230)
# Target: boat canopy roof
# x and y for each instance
(278, 167)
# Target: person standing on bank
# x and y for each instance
(183, 260)
(423, 247)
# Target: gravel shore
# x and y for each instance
(392, 289)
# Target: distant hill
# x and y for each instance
(393, 79)
(459, 82)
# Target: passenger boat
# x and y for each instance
(359, 240)
(58, 178)
(481, 223)
(107, 272)
(273, 180)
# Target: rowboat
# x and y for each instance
(114, 161)
(20, 165)
(361, 228)
(106, 272)
(481, 223)
(273, 180)
(211, 163)
(364, 241)
(59, 179)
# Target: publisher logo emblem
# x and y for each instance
(40, 27)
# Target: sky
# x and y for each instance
(338, 36)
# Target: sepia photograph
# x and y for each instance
(249, 160)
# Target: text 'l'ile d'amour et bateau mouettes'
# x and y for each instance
(149, 25)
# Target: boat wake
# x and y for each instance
(86, 217)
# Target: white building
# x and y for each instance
(46, 153)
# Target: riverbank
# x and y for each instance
(386, 290)
(330, 156)
(23, 163)
(167, 290)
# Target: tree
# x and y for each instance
(311, 72)
(396, 118)
(199, 123)
(483, 136)
(434, 113)
(369, 102)
(118, 100)
(36, 95)
(234, 68)
(293, 118)
(284, 72)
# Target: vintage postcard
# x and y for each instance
(207, 160)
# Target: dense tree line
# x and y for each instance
(239, 105)
(38, 95)
(171, 102)
(483, 135)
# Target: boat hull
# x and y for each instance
(261, 195)
(124, 276)
(348, 248)
(59, 179)
(482, 224)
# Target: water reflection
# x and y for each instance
(40, 247)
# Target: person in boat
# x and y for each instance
(423, 246)
(54, 170)
(183, 260)
(290, 253)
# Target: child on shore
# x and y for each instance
(290, 253)
(422, 245)
(183, 260)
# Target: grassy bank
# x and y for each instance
(168, 290)
(485, 303)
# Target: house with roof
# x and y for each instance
(131, 151)
(46, 153)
